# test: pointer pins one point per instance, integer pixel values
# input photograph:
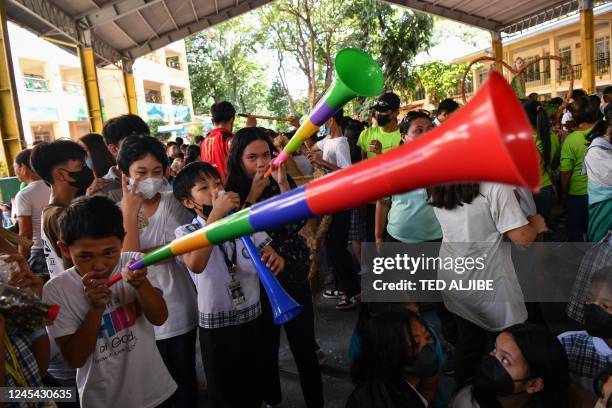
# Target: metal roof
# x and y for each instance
(127, 29)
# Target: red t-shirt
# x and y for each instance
(215, 148)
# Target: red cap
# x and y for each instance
(53, 312)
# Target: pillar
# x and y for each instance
(587, 38)
(498, 51)
(92, 91)
(554, 65)
(130, 87)
(11, 130)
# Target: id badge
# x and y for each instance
(235, 292)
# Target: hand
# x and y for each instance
(132, 200)
(224, 203)
(258, 185)
(279, 175)
(375, 147)
(538, 223)
(23, 278)
(379, 245)
(97, 185)
(96, 290)
(274, 261)
(134, 278)
(313, 157)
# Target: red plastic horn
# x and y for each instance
(487, 139)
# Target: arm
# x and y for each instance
(522, 235)
(565, 183)
(130, 206)
(149, 297)
(25, 230)
(40, 349)
(382, 210)
(76, 348)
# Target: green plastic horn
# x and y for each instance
(357, 74)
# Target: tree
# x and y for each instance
(223, 66)
(440, 80)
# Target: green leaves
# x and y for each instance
(440, 80)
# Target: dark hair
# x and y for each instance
(23, 158)
(170, 144)
(576, 93)
(118, 128)
(352, 131)
(546, 359)
(557, 101)
(404, 125)
(193, 154)
(450, 196)
(186, 178)
(448, 105)
(340, 119)
(46, 156)
(222, 112)
(136, 147)
(101, 158)
(179, 140)
(603, 126)
(607, 94)
(237, 180)
(199, 139)
(584, 110)
(387, 347)
(539, 121)
(91, 217)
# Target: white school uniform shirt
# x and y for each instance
(479, 228)
(30, 202)
(125, 368)
(171, 277)
(336, 151)
(215, 306)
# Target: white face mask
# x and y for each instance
(149, 187)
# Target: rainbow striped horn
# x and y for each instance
(357, 74)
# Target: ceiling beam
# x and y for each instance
(195, 13)
(429, 8)
(194, 27)
(147, 24)
(115, 10)
(125, 34)
(170, 15)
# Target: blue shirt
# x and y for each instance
(411, 219)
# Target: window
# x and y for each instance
(602, 55)
(566, 54)
(173, 62)
(532, 73)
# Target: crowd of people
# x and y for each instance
(92, 207)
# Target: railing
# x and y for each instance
(73, 88)
(536, 78)
(152, 96)
(564, 73)
(173, 63)
(602, 66)
(35, 84)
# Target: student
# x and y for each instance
(598, 168)
(107, 333)
(475, 219)
(357, 232)
(527, 368)
(397, 355)
(590, 351)
(249, 157)
(548, 147)
(573, 183)
(150, 217)
(408, 217)
(99, 158)
(215, 148)
(336, 156)
(61, 164)
(446, 108)
(29, 205)
(228, 291)
(378, 139)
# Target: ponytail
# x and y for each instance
(543, 128)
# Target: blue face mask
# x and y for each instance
(323, 130)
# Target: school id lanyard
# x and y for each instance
(231, 264)
(14, 369)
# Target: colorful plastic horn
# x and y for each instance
(489, 139)
(357, 74)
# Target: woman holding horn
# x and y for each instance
(249, 157)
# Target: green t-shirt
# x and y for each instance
(572, 155)
(554, 153)
(389, 140)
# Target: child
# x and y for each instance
(107, 332)
(150, 217)
(590, 351)
(228, 291)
